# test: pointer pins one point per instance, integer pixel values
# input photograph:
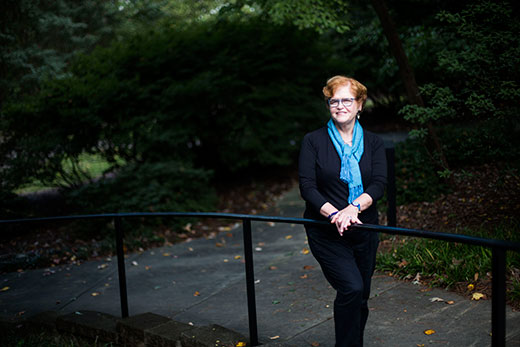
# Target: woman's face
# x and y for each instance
(343, 106)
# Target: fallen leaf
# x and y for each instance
(420, 345)
(95, 294)
(304, 276)
(218, 244)
(308, 267)
(471, 286)
(102, 266)
(403, 263)
(166, 254)
(456, 261)
(436, 299)
(450, 302)
(276, 302)
(271, 224)
(4, 289)
(147, 267)
(190, 249)
(315, 344)
(134, 263)
(274, 337)
(417, 279)
(305, 250)
(478, 296)
(272, 267)
(238, 256)
(475, 277)
(429, 332)
(288, 237)
(196, 294)
(226, 260)
(224, 228)
(240, 344)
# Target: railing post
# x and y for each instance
(121, 267)
(250, 282)
(390, 188)
(498, 303)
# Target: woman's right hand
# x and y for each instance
(345, 218)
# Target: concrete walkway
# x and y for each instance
(202, 282)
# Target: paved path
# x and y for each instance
(202, 282)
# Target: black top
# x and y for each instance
(319, 167)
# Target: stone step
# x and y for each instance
(146, 329)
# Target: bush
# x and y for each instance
(481, 142)
(227, 97)
(148, 187)
(416, 176)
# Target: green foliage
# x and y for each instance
(135, 16)
(446, 263)
(416, 177)
(476, 75)
(153, 187)
(39, 38)
(320, 15)
(157, 97)
(481, 142)
(464, 145)
(440, 101)
(484, 58)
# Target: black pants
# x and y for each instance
(348, 263)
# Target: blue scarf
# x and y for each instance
(350, 156)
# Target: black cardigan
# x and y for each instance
(319, 167)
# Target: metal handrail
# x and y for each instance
(499, 248)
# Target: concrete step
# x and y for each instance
(146, 329)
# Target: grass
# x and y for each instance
(447, 264)
(92, 165)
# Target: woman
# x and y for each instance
(342, 171)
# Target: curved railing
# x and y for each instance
(498, 247)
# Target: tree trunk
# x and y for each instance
(407, 75)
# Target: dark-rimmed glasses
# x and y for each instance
(346, 102)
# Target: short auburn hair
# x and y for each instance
(358, 90)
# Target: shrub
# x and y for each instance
(148, 187)
(416, 176)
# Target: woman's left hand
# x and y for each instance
(345, 218)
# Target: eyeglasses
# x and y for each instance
(346, 102)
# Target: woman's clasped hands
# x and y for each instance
(345, 218)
